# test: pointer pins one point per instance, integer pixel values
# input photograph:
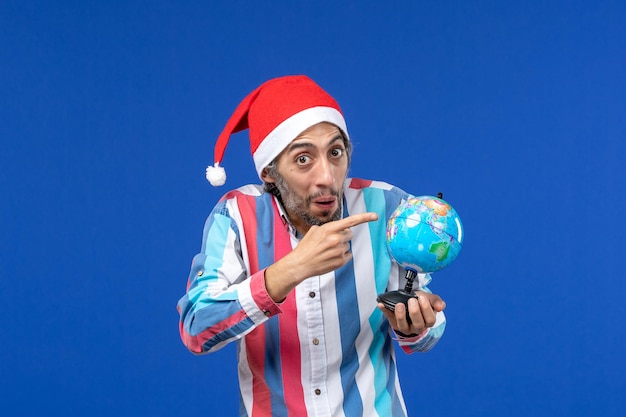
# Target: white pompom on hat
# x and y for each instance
(275, 114)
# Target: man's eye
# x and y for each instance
(337, 152)
(302, 159)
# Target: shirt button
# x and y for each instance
(200, 272)
(267, 313)
(316, 342)
(312, 294)
(318, 391)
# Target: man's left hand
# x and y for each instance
(422, 311)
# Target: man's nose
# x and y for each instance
(324, 173)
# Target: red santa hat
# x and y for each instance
(275, 114)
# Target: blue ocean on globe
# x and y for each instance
(424, 234)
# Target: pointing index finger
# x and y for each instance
(354, 220)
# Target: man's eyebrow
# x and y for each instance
(336, 138)
(299, 145)
(304, 144)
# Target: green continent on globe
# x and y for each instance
(440, 249)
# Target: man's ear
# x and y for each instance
(266, 177)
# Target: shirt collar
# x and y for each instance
(286, 222)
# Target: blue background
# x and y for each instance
(516, 111)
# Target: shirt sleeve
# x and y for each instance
(222, 302)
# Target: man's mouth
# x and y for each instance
(325, 202)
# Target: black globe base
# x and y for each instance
(391, 298)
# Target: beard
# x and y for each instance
(300, 206)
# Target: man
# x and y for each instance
(290, 270)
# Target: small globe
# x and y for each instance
(424, 234)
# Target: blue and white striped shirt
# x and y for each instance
(326, 350)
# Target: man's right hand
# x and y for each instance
(322, 249)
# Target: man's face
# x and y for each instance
(310, 175)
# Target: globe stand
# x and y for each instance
(391, 298)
